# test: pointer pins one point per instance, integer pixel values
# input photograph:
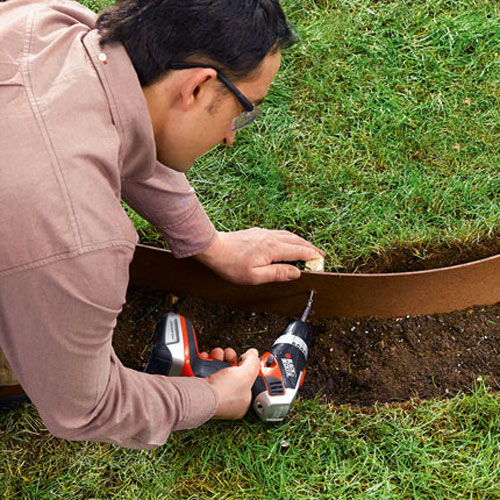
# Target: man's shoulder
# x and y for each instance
(21, 18)
(61, 151)
(17, 11)
(59, 174)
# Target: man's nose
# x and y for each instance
(229, 138)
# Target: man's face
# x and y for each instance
(192, 111)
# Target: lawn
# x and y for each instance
(436, 450)
(381, 129)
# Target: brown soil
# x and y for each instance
(351, 361)
(419, 258)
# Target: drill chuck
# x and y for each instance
(282, 373)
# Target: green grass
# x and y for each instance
(381, 130)
(436, 450)
(96, 5)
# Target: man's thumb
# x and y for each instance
(251, 362)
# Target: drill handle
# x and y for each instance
(175, 350)
(203, 367)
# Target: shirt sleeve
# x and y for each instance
(57, 322)
(169, 202)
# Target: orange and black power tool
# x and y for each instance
(282, 369)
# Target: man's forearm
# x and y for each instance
(170, 203)
(57, 325)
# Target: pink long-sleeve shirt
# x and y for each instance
(75, 138)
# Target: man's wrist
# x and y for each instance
(211, 253)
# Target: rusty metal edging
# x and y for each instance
(349, 295)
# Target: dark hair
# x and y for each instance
(233, 35)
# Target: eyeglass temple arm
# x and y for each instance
(247, 105)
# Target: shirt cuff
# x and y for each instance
(199, 401)
(191, 236)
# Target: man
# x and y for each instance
(90, 116)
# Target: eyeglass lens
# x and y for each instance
(245, 118)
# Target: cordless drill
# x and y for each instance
(282, 369)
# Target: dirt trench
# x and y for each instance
(357, 362)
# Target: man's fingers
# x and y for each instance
(288, 252)
(293, 239)
(217, 354)
(230, 355)
(274, 272)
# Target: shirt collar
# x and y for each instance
(127, 104)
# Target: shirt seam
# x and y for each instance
(35, 107)
(68, 255)
(115, 112)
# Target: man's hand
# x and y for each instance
(249, 256)
(233, 385)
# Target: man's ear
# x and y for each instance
(196, 85)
